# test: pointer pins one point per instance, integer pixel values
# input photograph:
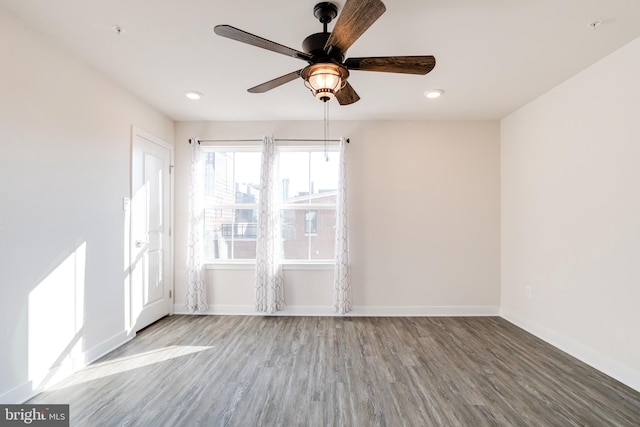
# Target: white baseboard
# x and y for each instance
(585, 354)
(217, 309)
(249, 310)
(106, 346)
(27, 390)
(418, 311)
(370, 311)
(18, 394)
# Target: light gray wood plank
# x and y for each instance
(342, 371)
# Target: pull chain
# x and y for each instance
(326, 129)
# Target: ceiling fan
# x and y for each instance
(327, 73)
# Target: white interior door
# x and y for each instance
(151, 255)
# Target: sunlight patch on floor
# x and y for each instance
(112, 367)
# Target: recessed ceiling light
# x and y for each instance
(433, 93)
(193, 95)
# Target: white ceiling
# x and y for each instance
(493, 56)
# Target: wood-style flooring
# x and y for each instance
(341, 371)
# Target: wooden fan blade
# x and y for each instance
(356, 17)
(393, 64)
(242, 36)
(271, 84)
(347, 95)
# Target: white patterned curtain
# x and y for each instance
(269, 284)
(195, 300)
(341, 272)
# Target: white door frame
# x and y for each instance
(139, 133)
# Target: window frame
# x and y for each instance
(286, 146)
(231, 206)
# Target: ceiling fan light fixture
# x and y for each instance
(327, 74)
(324, 79)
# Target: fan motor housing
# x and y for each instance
(314, 44)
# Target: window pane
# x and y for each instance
(308, 233)
(295, 243)
(244, 233)
(244, 249)
(247, 177)
(219, 186)
(294, 176)
(324, 177)
(231, 178)
(230, 234)
(323, 242)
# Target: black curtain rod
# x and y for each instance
(260, 140)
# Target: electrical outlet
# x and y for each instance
(527, 291)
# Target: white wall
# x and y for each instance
(570, 164)
(65, 134)
(424, 218)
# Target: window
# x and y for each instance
(308, 182)
(232, 185)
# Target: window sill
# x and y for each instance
(285, 266)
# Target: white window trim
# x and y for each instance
(251, 265)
